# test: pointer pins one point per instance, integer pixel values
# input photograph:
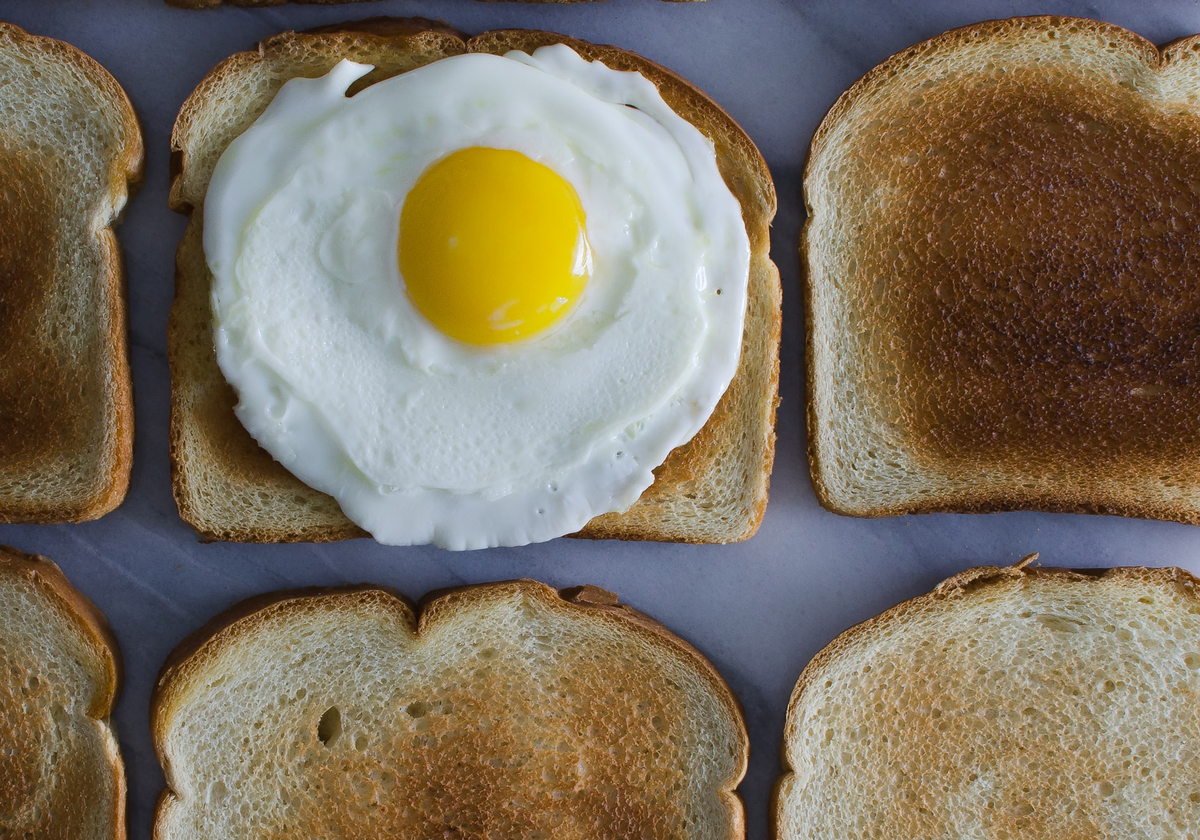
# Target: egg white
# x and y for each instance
(422, 438)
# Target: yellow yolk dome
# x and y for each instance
(493, 246)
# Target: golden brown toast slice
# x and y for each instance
(712, 489)
(69, 148)
(1040, 704)
(1002, 251)
(501, 710)
(61, 774)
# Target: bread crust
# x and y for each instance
(1122, 486)
(973, 581)
(92, 626)
(712, 489)
(966, 584)
(78, 419)
(226, 631)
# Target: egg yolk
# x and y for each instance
(493, 246)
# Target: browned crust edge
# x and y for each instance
(130, 164)
(224, 630)
(957, 586)
(94, 626)
(676, 91)
(1070, 500)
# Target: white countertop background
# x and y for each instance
(759, 610)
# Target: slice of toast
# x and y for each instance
(61, 774)
(712, 489)
(1003, 236)
(67, 155)
(1035, 704)
(69, 149)
(501, 710)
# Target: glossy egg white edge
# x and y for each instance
(351, 389)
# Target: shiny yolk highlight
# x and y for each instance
(493, 246)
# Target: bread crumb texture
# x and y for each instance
(1006, 704)
(508, 712)
(69, 146)
(1003, 238)
(60, 773)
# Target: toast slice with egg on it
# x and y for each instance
(69, 148)
(1003, 236)
(712, 489)
(499, 710)
(1033, 703)
(61, 774)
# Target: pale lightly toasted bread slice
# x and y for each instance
(1002, 246)
(712, 489)
(500, 710)
(1040, 704)
(69, 147)
(61, 774)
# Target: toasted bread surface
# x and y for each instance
(61, 776)
(1034, 703)
(500, 710)
(712, 489)
(69, 147)
(1004, 227)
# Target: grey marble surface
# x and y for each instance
(759, 610)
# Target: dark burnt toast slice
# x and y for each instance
(69, 148)
(1003, 258)
(712, 489)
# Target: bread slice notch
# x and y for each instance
(1008, 702)
(1004, 224)
(61, 774)
(69, 149)
(500, 710)
(711, 490)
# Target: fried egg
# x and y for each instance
(479, 302)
